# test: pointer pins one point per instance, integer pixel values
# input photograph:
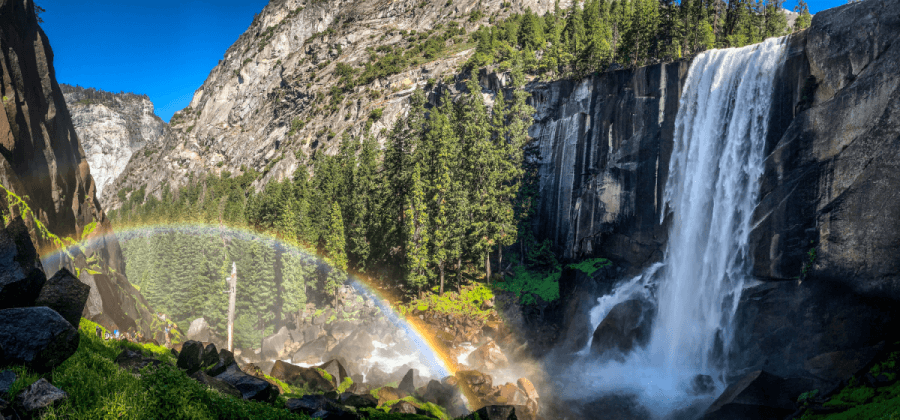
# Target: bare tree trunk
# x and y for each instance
(487, 265)
(441, 267)
(500, 260)
(232, 296)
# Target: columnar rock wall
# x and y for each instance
(604, 144)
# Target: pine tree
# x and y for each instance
(335, 239)
(416, 232)
(805, 19)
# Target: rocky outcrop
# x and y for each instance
(269, 102)
(604, 144)
(44, 164)
(111, 127)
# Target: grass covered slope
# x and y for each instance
(99, 389)
(876, 395)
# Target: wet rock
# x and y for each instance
(38, 338)
(308, 404)
(341, 330)
(134, 361)
(407, 384)
(226, 359)
(336, 370)
(302, 377)
(219, 385)
(40, 395)
(837, 365)
(273, 345)
(66, 295)
(251, 387)
(21, 273)
(7, 377)
(487, 357)
(311, 352)
(703, 385)
(627, 325)
(757, 395)
(511, 394)
(190, 358)
(358, 400)
(388, 393)
(528, 388)
(494, 412)
(403, 407)
(199, 330)
(359, 345)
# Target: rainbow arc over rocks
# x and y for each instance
(432, 353)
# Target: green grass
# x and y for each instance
(345, 385)
(99, 389)
(591, 266)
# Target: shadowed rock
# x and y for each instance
(251, 387)
(336, 370)
(7, 377)
(407, 385)
(300, 376)
(134, 361)
(38, 338)
(66, 295)
(226, 359)
(190, 358)
(40, 395)
(494, 412)
(358, 400)
(403, 407)
(273, 345)
(627, 325)
(21, 273)
(217, 384)
(757, 395)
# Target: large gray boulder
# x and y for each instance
(66, 295)
(21, 273)
(38, 338)
(199, 330)
(758, 395)
(273, 345)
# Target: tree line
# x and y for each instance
(593, 35)
(443, 193)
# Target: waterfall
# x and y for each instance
(712, 189)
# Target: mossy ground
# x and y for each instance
(99, 389)
(860, 401)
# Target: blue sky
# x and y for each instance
(164, 48)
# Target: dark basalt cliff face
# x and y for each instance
(43, 162)
(831, 184)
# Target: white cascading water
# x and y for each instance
(711, 192)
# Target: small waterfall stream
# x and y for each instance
(711, 192)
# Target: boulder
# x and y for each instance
(494, 412)
(219, 385)
(358, 400)
(758, 395)
(40, 395)
(199, 330)
(336, 370)
(266, 366)
(251, 387)
(438, 393)
(311, 352)
(407, 384)
(341, 330)
(66, 295)
(511, 394)
(21, 273)
(387, 393)
(7, 377)
(190, 358)
(307, 404)
(403, 407)
(475, 383)
(226, 359)
(210, 355)
(273, 345)
(528, 388)
(301, 377)
(487, 357)
(627, 325)
(357, 346)
(311, 333)
(134, 361)
(38, 338)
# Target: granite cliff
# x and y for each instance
(44, 163)
(111, 128)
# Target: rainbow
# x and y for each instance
(434, 354)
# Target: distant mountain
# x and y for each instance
(111, 127)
